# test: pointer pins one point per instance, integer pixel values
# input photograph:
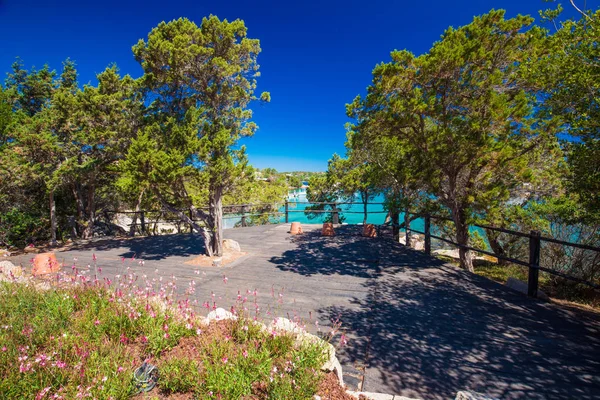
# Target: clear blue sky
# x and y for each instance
(317, 55)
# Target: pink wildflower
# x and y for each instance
(43, 393)
(224, 360)
(245, 353)
(97, 322)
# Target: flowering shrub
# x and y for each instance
(84, 339)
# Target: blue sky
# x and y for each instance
(317, 56)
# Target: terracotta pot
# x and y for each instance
(328, 229)
(296, 228)
(45, 263)
(369, 230)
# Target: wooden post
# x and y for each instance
(407, 227)
(244, 224)
(427, 234)
(534, 263)
(287, 212)
(335, 218)
(191, 219)
(143, 222)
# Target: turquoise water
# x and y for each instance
(352, 213)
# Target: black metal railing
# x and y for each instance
(535, 246)
(334, 210)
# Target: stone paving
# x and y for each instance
(415, 326)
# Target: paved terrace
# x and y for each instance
(416, 327)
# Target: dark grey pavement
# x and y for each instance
(416, 327)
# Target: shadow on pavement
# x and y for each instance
(429, 330)
(150, 247)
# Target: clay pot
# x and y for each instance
(369, 230)
(45, 263)
(328, 229)
(296, 228)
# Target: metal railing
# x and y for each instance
(335, 210)
(535, 246)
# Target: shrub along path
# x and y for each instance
(414, 326)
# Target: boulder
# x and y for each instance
(520, 286)
(332, 363)
(468, 395)
(229, 244)
(284, 324)
(31, 249)
(219, 315)
(9, 269)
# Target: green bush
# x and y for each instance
(19, 228)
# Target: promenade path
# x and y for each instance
(415, 326)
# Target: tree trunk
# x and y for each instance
(365, 200)
(407, 227)
(395, 224)
(462, 238)
(138, 207)
(91, 205)
(186, 219)
(216, 216)
(79, 203)
(52, 219)
(496, 246)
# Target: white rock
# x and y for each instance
(468, 395)
(284, 324)
(520, 286)
(332, 363)
(372, 396)
(231, 245)
(219, 315)
(6, 267)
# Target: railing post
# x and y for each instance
(191, 219)
(427, 234)
(244, 224)
(143, 222)
(335, 217)
(534, 263)
(287, 211)
(407, 227)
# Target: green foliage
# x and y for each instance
(18, 228)
(294, 181)
(462, 116)
(567, 74)
(324, 190)
(201, 80)
(86, 340)
(179, 375)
